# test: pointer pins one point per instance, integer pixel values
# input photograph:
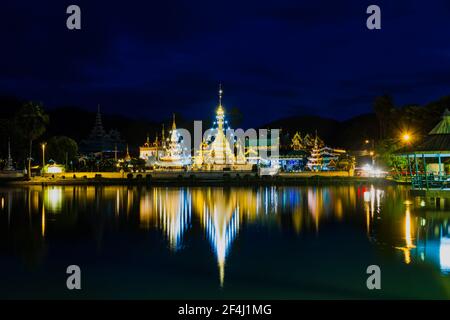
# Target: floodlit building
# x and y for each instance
(150, 151)
(219, 151)
(174, 154)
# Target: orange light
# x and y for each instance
(406, 137)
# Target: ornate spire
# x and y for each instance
(163, 135)
(97, 130)
(127, 157)
(220, 94)
(9, 163)
(174, 127)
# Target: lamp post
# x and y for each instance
(372, 151)
(43, 144)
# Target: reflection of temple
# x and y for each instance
(100, 142)
(220, 219)
(169, 210)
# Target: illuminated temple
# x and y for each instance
(174, 156)
(216, 152)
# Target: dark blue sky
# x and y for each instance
(274, 58)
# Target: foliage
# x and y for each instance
(386, 156)
(31, 121)
(62, 149)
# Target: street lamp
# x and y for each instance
(372, 151)
(406, 137)
(43, 144)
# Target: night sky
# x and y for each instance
(274, 58)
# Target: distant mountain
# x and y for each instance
(76, 122)
(349, 134)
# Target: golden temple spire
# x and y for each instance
(127, 157)
(220, 94)
(173, 122)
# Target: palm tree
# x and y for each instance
(383, 107)
(31, 121)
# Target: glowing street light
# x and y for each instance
(43, 153)
(406, 137)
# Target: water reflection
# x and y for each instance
(168, 210)
(417, 229)
(219, 212)
(433, 239)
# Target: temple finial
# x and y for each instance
(220, 93)
(173, 122)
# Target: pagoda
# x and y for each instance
(315, 161)
(9, 163)
(101, 142)
(219, 152)
(174, 156)
(9, 171)
(297, 142)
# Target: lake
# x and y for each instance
(143, 242)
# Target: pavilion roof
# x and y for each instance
(437, 140)
(443, 127)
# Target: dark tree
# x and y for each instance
(384, 109)
(62, 149)
(31, 121)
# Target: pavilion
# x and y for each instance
(428, 163)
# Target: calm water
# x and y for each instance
(208, 242)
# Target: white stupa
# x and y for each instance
(174, 155)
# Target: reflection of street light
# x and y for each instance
(43, 144)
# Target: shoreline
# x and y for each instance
(180, 180)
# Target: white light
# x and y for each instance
(54, 169)
(366, 196)
(444, 254)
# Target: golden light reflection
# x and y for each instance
(169, 210)
(219, 213)
(408, 235)
(53, 197)
(43, 221)
(315, 205)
